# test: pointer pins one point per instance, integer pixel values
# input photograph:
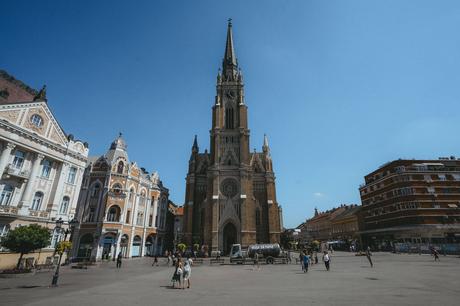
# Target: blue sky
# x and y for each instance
(340, 87)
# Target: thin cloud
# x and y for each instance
(318, 194)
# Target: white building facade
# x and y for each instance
(41, 167)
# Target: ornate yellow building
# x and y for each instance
(119, 208)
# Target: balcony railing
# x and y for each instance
(38, 213)
(13, 171)
(117, 194)
(10, 210)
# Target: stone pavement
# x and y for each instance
(396, 279)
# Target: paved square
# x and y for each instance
(396, 279)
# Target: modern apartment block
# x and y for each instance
(411, 201)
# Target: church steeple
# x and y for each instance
(265, 147)
(195, 148)
(230, 63)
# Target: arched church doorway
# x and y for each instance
(85, 247)
(229, 237)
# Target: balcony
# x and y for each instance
(8, 210)
(38, 213)
(17, 172)
(117, 194)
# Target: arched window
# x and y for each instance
(120, 167)
(131, 195)
(229, 118)
(128, 216)
(18, 160)
(142, 198)
(37, 201)
(46, 168)
(114, 214)
(64, 205)
(257, 216)
(95, 191)
(6, 195)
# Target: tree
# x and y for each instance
(182, 247)
(63, 246)
(26, 239)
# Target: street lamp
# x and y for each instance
(58, 228)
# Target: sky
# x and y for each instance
(339, 87)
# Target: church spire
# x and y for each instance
(195, 148)
(265, 147)
(230, 63)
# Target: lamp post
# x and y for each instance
(58, 227)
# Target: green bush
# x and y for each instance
(26, 239)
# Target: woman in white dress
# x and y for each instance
(187, 271)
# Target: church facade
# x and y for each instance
(230, 191)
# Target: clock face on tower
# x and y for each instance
(230, 94)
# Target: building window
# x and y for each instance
(4, 229)
(456, 176)
(91, 214)
(131, 195)
(95, 191)
(37, 201)
(140, 219)
(18, 160)
(150, 220)
(64, 205)
(120, 167)
(55, 238)
(36, 120)
(114, 214)
(128, 215)
(442, 177)
(46, 168)
(229, 118)
(72, 175)
(6, 195)
(430, 190)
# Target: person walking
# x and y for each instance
(177, 276)
(306, 261)
(168, 254)
(119, 257)
(301, 259)
(187, 272)
(256, 261)
(155, 261)
(435, 254)
(327, 260)
(316, 258)
(368, 255)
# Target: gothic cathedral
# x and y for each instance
(230, 192)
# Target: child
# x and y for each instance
(326, 260)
